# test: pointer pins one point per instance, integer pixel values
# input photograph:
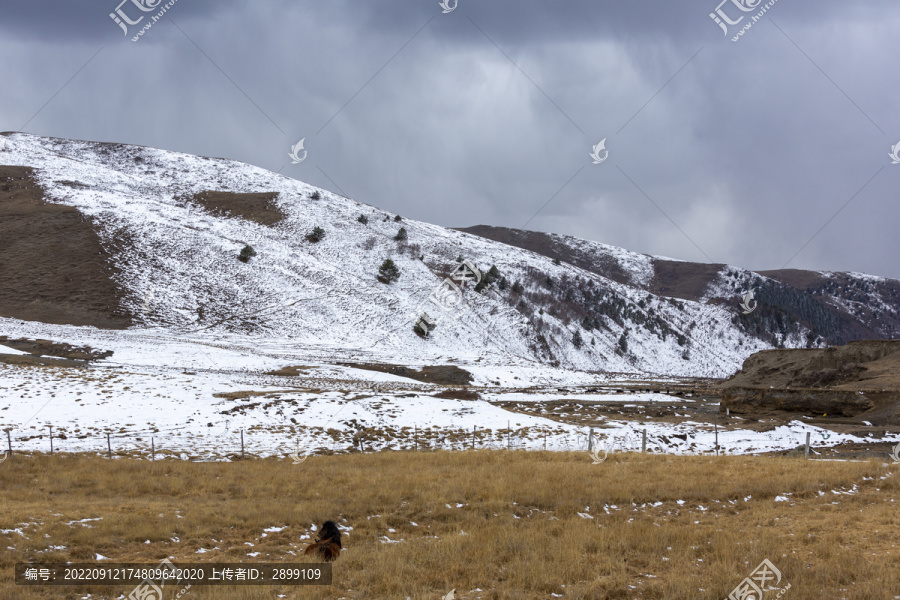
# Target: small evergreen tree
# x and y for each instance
(316, 235)
(576, 339)
(388, 272)
(398, 218)
(363, 219)
(401, 235)
(246, 254)
(518, 288)
(623, 342)
(504, 284)
(490, 277)
(556, 261)
(315, 195)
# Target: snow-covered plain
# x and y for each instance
(167, 391)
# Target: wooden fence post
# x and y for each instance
(108, 446)
(644, 442)
(9, 443)
(51, 438)
(242, 444)
(806, 454)
(591, 439)
(152, 449)
(716, 424)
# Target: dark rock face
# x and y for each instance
(805, 401)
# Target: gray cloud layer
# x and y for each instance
(485, 113)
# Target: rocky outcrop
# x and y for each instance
(859, 380)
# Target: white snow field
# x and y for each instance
(160, 389)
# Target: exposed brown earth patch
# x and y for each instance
(289, 371)
(35, 361)
(55, 268)
(797, 278)
(864, 365)
(860, 380)
(597, 413)
(804, 401)
(58, 349)
(244, 394)
(442, 374)
(458, 395)
(256, 207)
(684, 280)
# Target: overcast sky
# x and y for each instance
(742, 152)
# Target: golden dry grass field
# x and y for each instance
(489, 524)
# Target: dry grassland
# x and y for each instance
(491, 524)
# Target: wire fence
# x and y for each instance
(187, 443)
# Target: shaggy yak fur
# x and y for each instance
(327, 546)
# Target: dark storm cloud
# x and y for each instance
(53, 20)
(745, 150)
(526, 20)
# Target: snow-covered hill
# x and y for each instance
(176, 262)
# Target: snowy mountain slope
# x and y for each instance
(177, 266)
(611, 262)
(830, 308)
